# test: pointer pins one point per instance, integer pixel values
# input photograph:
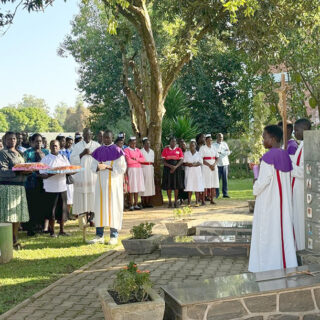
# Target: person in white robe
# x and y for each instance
(148, 174)
(109, 165)
(85, 180)
(298, 185)
(193, 180)
(272, 242)
(209, 168)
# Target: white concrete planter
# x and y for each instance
(181, 228)
(142, 246)
(147, 310)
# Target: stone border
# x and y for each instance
(54, 284)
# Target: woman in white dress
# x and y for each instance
(209, 169)
(193, 174)
(148, 174)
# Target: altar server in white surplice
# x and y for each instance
(272, 243)
(148, 174)
(193, 180)
(109, 165)
(298, 184)
(210, 173)
(84, 181)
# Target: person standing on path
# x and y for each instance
(109, 165)
(172, 178)
(148, 174)
(209, 168)
(134, 159)
(223, 164)
(297, 183)
(85, 180)
(272, 242)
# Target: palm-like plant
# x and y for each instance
(176, 121)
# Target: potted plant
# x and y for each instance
(142, 240)
(181, 225)
(131, 296)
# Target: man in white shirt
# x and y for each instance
(55, 186)
(223, 164)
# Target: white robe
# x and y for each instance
(298, 198)
(108, 204)
(84, 181)
(148, 174)
(270, 237)
(210, 178)
(193, 180)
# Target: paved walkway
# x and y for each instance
(75, 297)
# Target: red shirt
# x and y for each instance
(172, 154)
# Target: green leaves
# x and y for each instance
(142, 231)
(313, 103)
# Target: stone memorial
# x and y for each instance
(206, 246)
(280, 294)
(312, 190)
(224, 228)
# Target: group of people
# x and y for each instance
(278, 222)
(110, 170)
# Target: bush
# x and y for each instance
(131, 284)
(182, 213)
(142, 231)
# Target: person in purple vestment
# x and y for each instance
(109, 164)
(292, 143)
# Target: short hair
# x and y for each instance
(289, 125)
(304, 122)
(119, 139)
(172, 138)
(54, 140)
(108, 132)
(69, 138)
(274, 131)
(59, 138)
(35, 135)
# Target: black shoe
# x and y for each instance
(226, 196)
(31, 234)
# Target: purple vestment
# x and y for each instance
(292, 147)
(107, 153)
(279, 158)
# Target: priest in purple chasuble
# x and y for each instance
(109, 164)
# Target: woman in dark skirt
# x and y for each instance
(34, 188)
(172, 178)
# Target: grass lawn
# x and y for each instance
(44, 260)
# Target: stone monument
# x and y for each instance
(311, 198)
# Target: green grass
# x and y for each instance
(42, 261)
(239, 189)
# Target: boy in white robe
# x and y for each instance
(109, 165)
(272, 243)
(298, 184)
(85, 180)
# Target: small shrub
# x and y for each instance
(142, 231)
(131, 284)
(182, 213)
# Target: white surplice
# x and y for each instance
(272, 243)
(210, 178)
(108, 206)
(193, 180)
(148, 174)
(84, 181)
(298, 197)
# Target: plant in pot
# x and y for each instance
(131, 296)
(142, 240)
(181, 224)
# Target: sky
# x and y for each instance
(29, 63)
